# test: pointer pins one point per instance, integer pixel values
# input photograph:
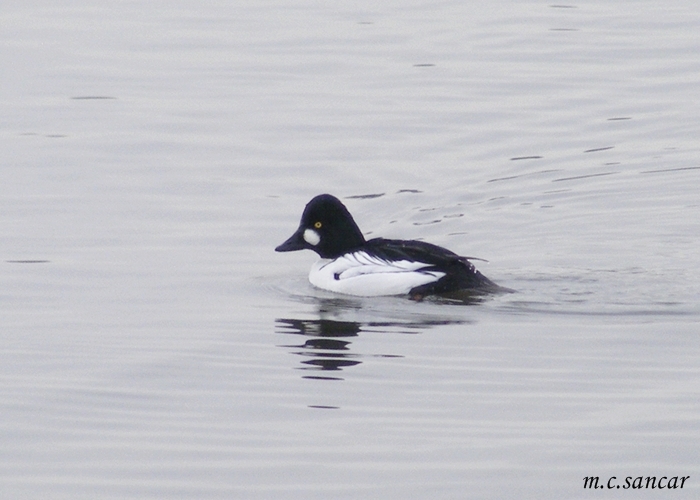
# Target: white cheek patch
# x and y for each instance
(311, 237)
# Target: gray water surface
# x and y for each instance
(153, 345)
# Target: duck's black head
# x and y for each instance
(327, 228)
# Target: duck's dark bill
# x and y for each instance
(295, 242)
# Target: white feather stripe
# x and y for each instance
(369, 276)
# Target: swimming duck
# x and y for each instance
(351, 265)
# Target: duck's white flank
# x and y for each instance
(366, 275)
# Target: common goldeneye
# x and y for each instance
(351, 265)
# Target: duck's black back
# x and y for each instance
(460, 274)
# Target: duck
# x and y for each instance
(351, 265)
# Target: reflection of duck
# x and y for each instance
(327, 346)
(321, 327)
(351, 265)
(325, 333)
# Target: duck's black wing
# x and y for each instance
(460, 273)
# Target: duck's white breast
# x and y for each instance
(369, 276)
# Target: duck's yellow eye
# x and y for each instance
(318, 225)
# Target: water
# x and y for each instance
(154, 345)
